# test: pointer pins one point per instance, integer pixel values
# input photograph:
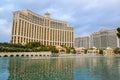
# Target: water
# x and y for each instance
(74, 68)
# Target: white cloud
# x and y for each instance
(5, 30)
(86, 16)
(8, 7)
(58, 14)
(5, 25)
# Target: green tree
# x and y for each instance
(64, 46)
(74, 51)
(68, 50)
(118, 32)
(100, 51)
(117, 50)
(32, 45)
(85, 51)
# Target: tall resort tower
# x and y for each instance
(28, 27)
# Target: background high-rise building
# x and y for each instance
(100, 39)
(29, 27)
(104, 39)
(82, 42)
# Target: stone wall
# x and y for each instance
(13, 54)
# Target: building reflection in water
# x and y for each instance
(41, 69)
(4, 73)
(83, 68)
(97, 68)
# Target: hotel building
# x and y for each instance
(104, 39)
(100, 39)
(82, 42)
(29, 27)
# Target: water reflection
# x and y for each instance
(41, 69)
(83, 68)
(4, 73)
(97, 69)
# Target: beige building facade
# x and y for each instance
(108, 51)
(28, 27)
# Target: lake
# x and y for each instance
(60, 68)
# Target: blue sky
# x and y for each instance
(86, 16)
